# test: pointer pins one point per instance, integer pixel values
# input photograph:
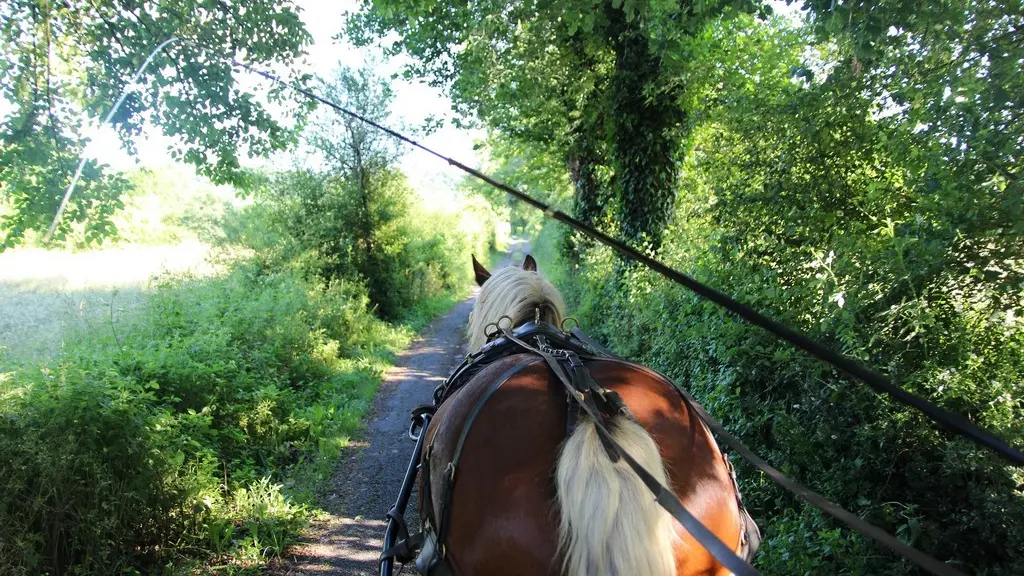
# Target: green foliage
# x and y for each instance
(33, 176)
(355, 217)
(532, 169)
(168, 205)
(885, 227)
(65, 64)
(593, 83)
(173, 437)
(315, 223)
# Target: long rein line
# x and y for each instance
(878, 382)
(849, 365)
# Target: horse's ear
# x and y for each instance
(481, 273)
(529, 263)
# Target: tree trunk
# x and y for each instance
(587, 206)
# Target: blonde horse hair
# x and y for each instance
(517, 293)
(610, 524)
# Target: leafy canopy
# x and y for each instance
(595, 81)
(64, 64)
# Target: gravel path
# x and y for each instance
(348, 539)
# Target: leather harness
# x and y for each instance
(565, 353)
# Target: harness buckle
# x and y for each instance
(420, 417)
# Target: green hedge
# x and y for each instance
(169, 442)
(879, 459)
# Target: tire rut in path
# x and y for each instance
(349, 539)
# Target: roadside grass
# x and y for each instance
(191, 428)
(175, 410)
(197, 428)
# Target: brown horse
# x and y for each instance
(524, 499)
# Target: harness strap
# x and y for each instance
(663, 495)
(584, 384)
(403, 529)
(425, 486)
(572, 416)
(499, 347)
(405, 550)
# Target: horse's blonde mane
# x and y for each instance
(516, 293)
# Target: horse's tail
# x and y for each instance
(610, 523)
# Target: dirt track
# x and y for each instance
(349, 539)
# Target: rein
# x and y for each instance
(565, 352)
(663, 495)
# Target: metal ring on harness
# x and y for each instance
(566, 319)
(492, 329)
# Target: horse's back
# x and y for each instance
(503, 517)
(503, 477)
(695, 466)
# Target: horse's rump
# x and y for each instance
(503, 515)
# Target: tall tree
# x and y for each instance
(63, 61)
(346, 203)
(590, 78)
(362, 160)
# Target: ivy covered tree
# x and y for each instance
(598, 80)
(64, 61)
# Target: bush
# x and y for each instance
(879, 459)
(173, 438)
(407, 257)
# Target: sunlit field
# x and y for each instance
(44, 294)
